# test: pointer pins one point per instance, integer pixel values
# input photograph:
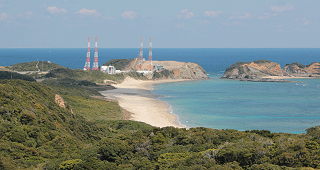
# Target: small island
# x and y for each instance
(267, 71)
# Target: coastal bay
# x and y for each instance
(136, 97)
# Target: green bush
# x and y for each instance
(162, 74)
(119, 64)
(69, 164)
(93, 76)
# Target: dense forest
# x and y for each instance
(65, 123)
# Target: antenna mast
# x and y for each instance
(95, 60)
(87, 64)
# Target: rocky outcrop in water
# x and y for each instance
(260, 70)
(300, 70)
(252, 70)
(190, 71)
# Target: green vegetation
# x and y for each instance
(136, 75)
(119, 64)
(162, 74)
(236, 65)
(88, 132)
(14, 75)
(89, 75)
(34, 66)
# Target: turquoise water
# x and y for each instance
(214, 103)
(230, 104)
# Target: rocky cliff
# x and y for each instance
(190, 71)
(258, 70)
(300, 70)
(252, 70)
(172, 69)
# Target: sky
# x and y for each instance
(170, 23)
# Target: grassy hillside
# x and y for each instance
(14, 75)
(87, 134)
(89, 75)
(34, 66)
(90, 133)
(37, 132)
(119, 64)
(35, 129)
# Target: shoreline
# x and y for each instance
(136, 97)
(288, 77)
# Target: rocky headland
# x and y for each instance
(169, 70)
(267, 71)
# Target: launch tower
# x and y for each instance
(87, 64)
(140, 58)
(150, 56)
(95, 60)
(141, 49)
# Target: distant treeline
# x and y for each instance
(34, 66)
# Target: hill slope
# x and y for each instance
(34, 66)
(14, 75)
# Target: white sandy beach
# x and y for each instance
(135, 96)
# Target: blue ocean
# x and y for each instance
(214, 103)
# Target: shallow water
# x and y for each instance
(214, 103)
(230, 104)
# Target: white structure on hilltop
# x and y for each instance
(108, 69)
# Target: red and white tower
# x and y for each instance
(95, 60)
(140, 62)
(150, 52)
(150, 67)
(141, 49)
(87, 64)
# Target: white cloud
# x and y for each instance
(212, 13)
(185, 14)
(3, 16)
(306, 22)
(264, 16)
(129, 15)
(238, 15)
(85, 11)
(55, 10)
(184, 11)
(277, 8)
(26, 15)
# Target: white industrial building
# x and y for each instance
(108, 69)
